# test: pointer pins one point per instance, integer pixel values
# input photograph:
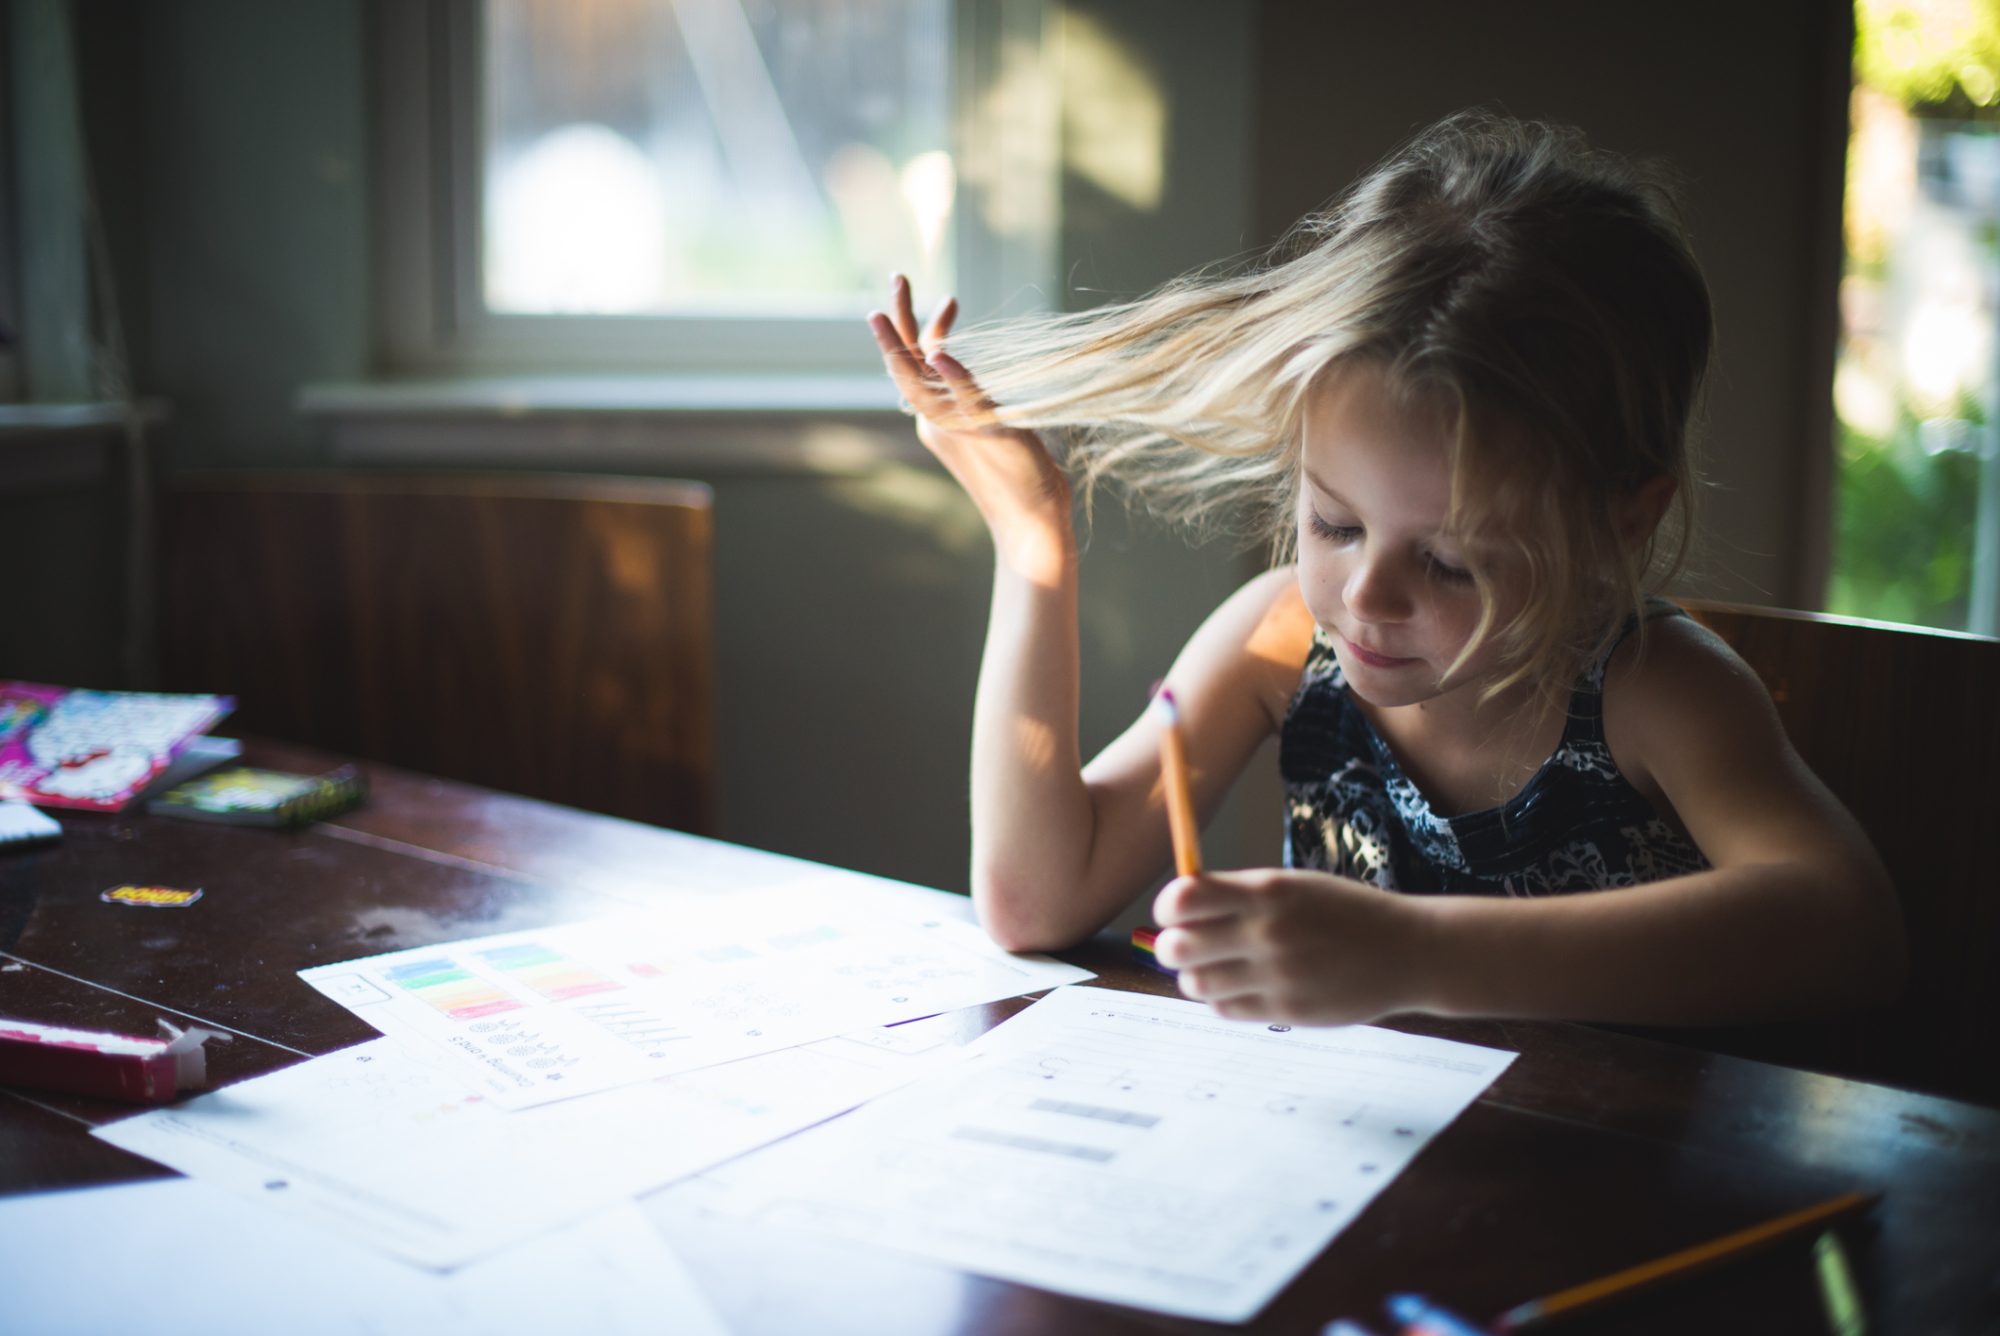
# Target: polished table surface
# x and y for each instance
(1595, 1150)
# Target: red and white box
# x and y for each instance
(117, 1066)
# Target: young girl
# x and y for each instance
(1462, 396)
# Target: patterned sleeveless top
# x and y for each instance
(1577, 825)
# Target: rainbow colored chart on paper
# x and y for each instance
(444, 984)
(548, 1013)
(548, 971)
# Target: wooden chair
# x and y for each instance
(1903, 724)
(544, 635)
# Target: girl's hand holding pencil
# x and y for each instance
(1019, 489)
(1299, 947)
(1303, 948)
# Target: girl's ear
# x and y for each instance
(1638, 512)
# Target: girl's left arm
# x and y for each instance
(1795, 917)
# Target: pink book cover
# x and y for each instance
(66, 747)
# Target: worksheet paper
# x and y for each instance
(386, 1145)
(550, 1013)
(177, 1257)
(1121, 1147)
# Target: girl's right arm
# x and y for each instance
(1058, 850)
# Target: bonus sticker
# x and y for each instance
(153, 897)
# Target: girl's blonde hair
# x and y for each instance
(1539, 291)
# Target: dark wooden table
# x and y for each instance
(1594, 1151)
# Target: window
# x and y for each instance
(701, 186)
(1917, 535)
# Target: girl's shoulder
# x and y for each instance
(1676, 688)
(1672, 652)
(1266, 624)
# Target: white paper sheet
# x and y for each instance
(1122, 1147)
(552, 1013)
(181, 1257)
(383, 1144)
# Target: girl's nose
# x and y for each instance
(1376, 591)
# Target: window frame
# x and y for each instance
(430, 312)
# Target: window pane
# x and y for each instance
(714, 157)
(1917, 535)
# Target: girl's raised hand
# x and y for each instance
(1008, 472)
(1302, 948)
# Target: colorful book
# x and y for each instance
(64, 747)
(245, 796)
(200, 756)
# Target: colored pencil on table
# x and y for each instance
(1180, 798)
(1422, 1317)
(1686, 1262)
(1145, 948)
(1844, 1314)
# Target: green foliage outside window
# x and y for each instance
(1903, 527)
(1905, 514)
(1930, 53)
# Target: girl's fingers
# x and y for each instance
(886, 338)
(940, 325)
(935, 384)
(897, 355)
(952, 370)
(1231, 980)
(901, 311)
(1195, 899)
(974, 409)
(1203, 943)
(971, 399)
(914, 380)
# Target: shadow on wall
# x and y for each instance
(855, 679)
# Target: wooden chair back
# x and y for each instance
(550, 636)
(1903, 724)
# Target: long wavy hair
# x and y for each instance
(1540, 291)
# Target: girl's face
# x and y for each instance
(1377, 567)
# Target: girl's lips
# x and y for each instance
(1372, 659)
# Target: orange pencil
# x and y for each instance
(1180, 800)
(1686, 1262)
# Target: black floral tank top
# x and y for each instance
(1577, 825)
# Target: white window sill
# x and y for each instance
(528, 396)
(694, 424)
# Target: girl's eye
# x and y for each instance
(1348, 533)
(1337, 533)
(1449, 574)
